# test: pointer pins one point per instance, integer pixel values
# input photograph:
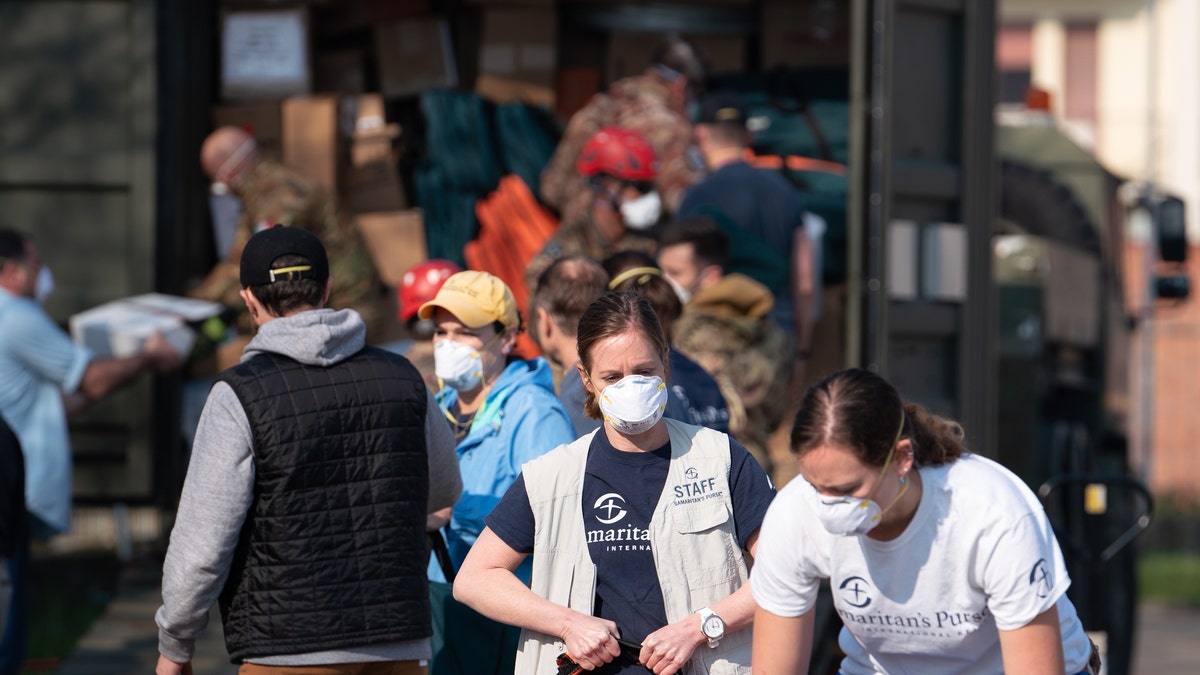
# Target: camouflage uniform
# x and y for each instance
(273, 194)
(728, 330)
(639, 103)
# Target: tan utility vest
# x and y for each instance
(696, 553)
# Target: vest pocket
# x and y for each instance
(711, 559)
(696, 518)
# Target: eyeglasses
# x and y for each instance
(599, 183)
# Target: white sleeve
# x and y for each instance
(782, 581)
(1025, 574)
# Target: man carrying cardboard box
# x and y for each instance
(272, 194)
(44, 377)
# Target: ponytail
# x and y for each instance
(936, 440)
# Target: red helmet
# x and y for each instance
(420, 283)
(619, 152)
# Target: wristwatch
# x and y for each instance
(712, 626)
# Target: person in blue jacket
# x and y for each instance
(504, 412)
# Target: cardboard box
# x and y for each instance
(310, 138)
(364, 123)
(367, 150)
(373, 187)
(395, 240)
(264, 53)
(520, 45)
(414, 55)
(362, 114)
(263, 120)
(121, 328)
(507, 90)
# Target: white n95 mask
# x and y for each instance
(44, 286)
(850, 516)
(634, 404)
(642, 213)
(459, 366)
(681, 292)
(847, 516)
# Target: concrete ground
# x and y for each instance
(124, 641)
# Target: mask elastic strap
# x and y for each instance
(891, 452)
(893, 502)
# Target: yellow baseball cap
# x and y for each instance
(476, 299)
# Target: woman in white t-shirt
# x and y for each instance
(939, 560)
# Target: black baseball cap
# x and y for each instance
(267, 246)
(723, 107)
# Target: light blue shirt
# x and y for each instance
(38, 364)
(521, 419)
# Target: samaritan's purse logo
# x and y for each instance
(853, 592)
(610, 508)
(1041, 578)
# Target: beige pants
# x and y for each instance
(377, 668)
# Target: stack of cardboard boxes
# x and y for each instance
(314, 81)
(311, 110)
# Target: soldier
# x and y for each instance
(654, 104)
(624, 204)
(272, 194)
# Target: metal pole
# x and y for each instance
(875, 323)
(1146, 327)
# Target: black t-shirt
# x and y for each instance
(12, 493)
(620, 492)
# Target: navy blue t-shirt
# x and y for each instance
(694, 397)
(761, 201)
(620, 492)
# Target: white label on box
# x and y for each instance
(268, 47)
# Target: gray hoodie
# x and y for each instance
(219, 488)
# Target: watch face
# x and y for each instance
(713, 627)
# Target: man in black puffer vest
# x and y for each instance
(316, 462)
